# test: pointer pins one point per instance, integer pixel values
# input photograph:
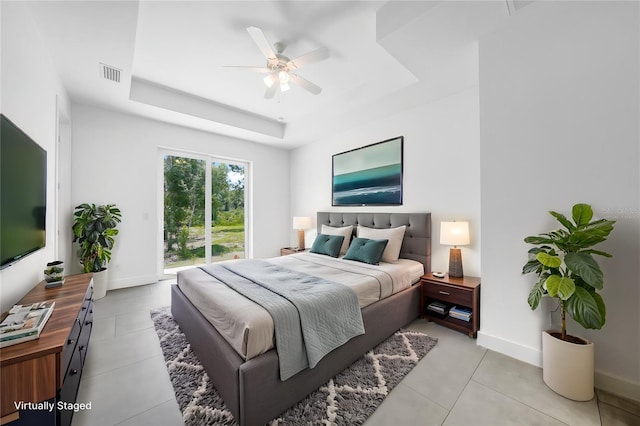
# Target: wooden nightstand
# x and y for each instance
(461, 292)
(291, 250)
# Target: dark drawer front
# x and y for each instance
(83, 341)
(70, 346)
(449, 293)
(70, 385)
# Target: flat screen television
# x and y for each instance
(23, 194)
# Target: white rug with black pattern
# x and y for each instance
(349, 398)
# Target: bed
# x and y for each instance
(250, 384)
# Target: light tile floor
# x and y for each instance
(457, 383)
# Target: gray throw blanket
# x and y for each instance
(312, 316)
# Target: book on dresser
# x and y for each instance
(24, 323)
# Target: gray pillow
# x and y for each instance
(366, 250)
(327, 244)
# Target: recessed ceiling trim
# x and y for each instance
(165, 97)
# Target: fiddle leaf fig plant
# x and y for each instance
(566, 268)
(93, 229)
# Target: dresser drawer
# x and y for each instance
(448, 293)
(70, 346)
(69, 389)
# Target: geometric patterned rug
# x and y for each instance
(349, 398)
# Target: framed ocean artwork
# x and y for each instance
(369, 176)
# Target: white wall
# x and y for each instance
(115, 160)
(441, 169)
(30, 86)
(559, 125)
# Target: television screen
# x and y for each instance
(23, 193)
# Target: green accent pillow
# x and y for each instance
(327, 244)
(366, 250)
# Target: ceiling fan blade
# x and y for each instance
(261, 41)
(308, 58)
(261, 70)
(305, 84)
(270, 92)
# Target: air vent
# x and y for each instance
(110, 73)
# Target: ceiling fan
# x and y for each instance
(280, 69)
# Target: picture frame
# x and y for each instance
(371, 175)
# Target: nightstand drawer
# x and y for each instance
(448, 293)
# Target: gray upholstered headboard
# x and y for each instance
(417, 238)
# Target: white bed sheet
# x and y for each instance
(248, 327)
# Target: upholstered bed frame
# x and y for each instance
(252, 390)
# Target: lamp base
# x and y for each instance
(455, 263)
(301, 239)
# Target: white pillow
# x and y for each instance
(394, 235)
(345, 231)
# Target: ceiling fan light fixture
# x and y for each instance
(283, 76)
(280, 68)
(269, 80)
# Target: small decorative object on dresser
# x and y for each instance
(53, 274)
(452, 302)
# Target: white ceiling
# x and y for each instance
(385, 57)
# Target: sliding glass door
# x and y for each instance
(227, 211)
(204, 210)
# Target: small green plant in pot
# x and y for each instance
(566, 268)
(94, 229)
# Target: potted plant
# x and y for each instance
(94, 229)
(566, 268)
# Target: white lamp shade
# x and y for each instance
(454, 233)
(270, 80)
(302, 222)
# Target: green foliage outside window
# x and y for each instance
(184, 205)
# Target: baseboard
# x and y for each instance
(514, 350)
(617, 386)
(606, 382)
(132, 281)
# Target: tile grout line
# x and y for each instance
(521, 402)
(147, 410)
(466, 384)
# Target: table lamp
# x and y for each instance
(301, 223)
(454, 234)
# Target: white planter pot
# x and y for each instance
(567, 368)
(100, 282)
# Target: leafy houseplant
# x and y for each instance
(93, 229)
(566, 269)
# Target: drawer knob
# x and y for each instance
(81, 348)
(88, 322)
(70, 342)
(444, 292)
(73, 372)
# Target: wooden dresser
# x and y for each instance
(49, 368)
